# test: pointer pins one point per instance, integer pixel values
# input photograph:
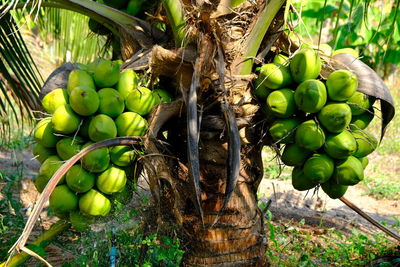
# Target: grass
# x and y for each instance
(381, 187)
(12, 213)
(273, 169)
(133, 248)
(381, 180)
(292, 243)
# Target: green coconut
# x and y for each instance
(340, 145)
(333, 189)
(63, 199)
(79, 78)
(94, 203)
(69, 147)
(260, 91)
(111, 102)
(360, 122)
(111, 180)
(281, 103)
(81, 66)
(79, 221)
(102, 127)
(349, 51)
(162, 96)
(65, 120)
(310, 96)
(131, 124)
(274, 76)
(122, 155)
(119, 62)
(128, 81)
(348, 171)
(41, 152)
(79, 180)
(44, 133)
(281, 59)
(335, 117)
(91, 67)
(54, 99)
(300, 181)
(364, 162)
(293, 155)
(97, 27)
(40, 182)
(268, 117)
(49, 168)
(359, 103)
(325, 49)
(84, 129)
(134, 7)
(106, 73)
(141, 101)
(319, 168)
(309, 135)
(84, 100)
(366, 143)
(305, 65)
(283, 130)
(97, 160)
(341, 85)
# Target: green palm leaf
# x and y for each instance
(20, 79)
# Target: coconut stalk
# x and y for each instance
(176, 18)
(254, 40)
(42, 240)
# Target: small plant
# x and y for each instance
(381, 186)
(133, 249)
(292, 245)
(11, 213)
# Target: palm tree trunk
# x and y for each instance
(237, 238)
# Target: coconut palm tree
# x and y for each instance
(204, 165)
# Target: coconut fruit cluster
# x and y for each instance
(98, 103)
(319, 123)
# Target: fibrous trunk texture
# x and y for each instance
(237, 238)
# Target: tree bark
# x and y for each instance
(238, 237)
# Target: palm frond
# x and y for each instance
(20, 80)
(68, 38)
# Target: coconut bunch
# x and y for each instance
(319, 123)
(98, 103)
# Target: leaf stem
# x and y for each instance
(253, 42)
(176, 18)
(337, 25)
